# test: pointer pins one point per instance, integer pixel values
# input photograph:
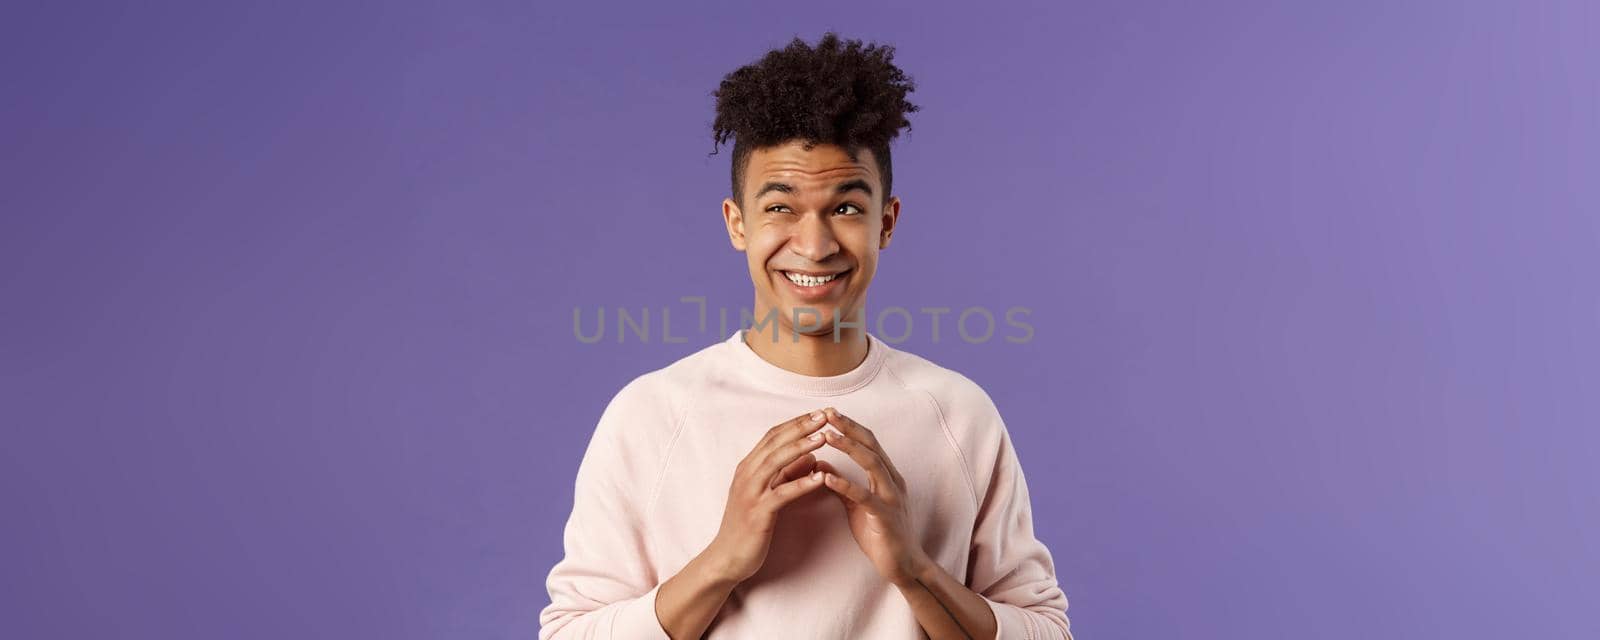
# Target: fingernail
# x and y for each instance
(816, 475)
(815, 436)
(816, 416)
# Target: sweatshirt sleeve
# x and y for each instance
(605, 586)
(1009, 567)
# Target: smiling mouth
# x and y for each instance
(803, 280)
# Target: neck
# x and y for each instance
(809, 355)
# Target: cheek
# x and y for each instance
(864, 274)
(760, 248)
(866, 268)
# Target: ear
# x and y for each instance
(734, 219)
(891, 217)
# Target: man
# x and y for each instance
(802, 479)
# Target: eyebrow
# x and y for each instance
(857, 184)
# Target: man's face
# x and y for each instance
(814, 213)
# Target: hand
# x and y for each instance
(879, 517)
(777, 471)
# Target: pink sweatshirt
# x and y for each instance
(654, 480)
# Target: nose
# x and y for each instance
(813, 238)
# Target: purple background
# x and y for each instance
(288, 292)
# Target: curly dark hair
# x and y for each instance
(840, 92)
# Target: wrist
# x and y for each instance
(919, 568)
(715, 569)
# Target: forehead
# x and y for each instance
(818, 168)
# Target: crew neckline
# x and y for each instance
(783, 379)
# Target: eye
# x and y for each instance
(775, 208)
(850, 205)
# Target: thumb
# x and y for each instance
(794, 471)
(826, 467)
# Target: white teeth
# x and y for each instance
(809, 281)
